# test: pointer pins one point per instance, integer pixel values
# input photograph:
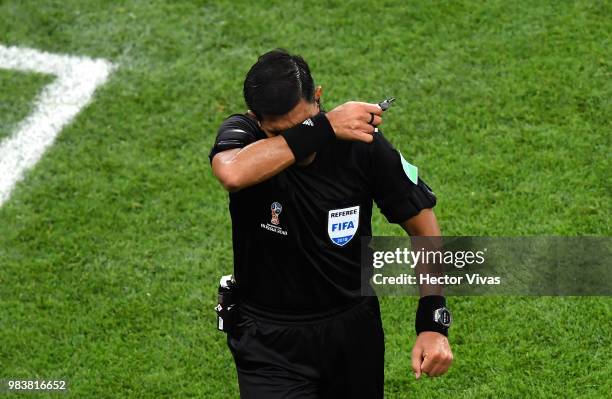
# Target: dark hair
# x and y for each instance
(276, 83)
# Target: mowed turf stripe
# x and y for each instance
(59, 102)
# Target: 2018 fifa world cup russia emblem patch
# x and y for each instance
(276, 208)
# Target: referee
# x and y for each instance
(301, 186)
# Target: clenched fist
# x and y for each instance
(350, 120)
(431, 354)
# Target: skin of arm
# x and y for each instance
(431, 353)
(257, 162)
(425, 226)
(240, 168)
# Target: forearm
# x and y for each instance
(240, 168)
(257, 162)
(428, 268)
(425, 234)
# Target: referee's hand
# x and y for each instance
(431, 354)
(350, 120)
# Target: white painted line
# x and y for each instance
(58, 103)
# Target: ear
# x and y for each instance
(317, 94)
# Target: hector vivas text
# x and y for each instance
(413, 258)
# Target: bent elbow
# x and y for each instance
(231, 185)
(229, 175)
(231, 182)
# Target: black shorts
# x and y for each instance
(340, 356)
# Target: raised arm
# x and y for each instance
(240, 160)
(242, 167)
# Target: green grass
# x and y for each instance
(111, 248)
(17, 96)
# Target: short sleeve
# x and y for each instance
(397, 196)
(237, 131)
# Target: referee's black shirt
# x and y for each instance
(296, 236)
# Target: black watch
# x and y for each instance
(443, 317)
(433, 315)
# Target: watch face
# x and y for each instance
(442, 316)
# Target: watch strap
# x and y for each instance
(424, 320)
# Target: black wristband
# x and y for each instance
(424, 320)
(307, 138)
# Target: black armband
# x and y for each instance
(432, 315)
(232, 138)
(309, 137)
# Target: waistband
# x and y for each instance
(299, 318)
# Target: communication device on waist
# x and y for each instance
(226, 303)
